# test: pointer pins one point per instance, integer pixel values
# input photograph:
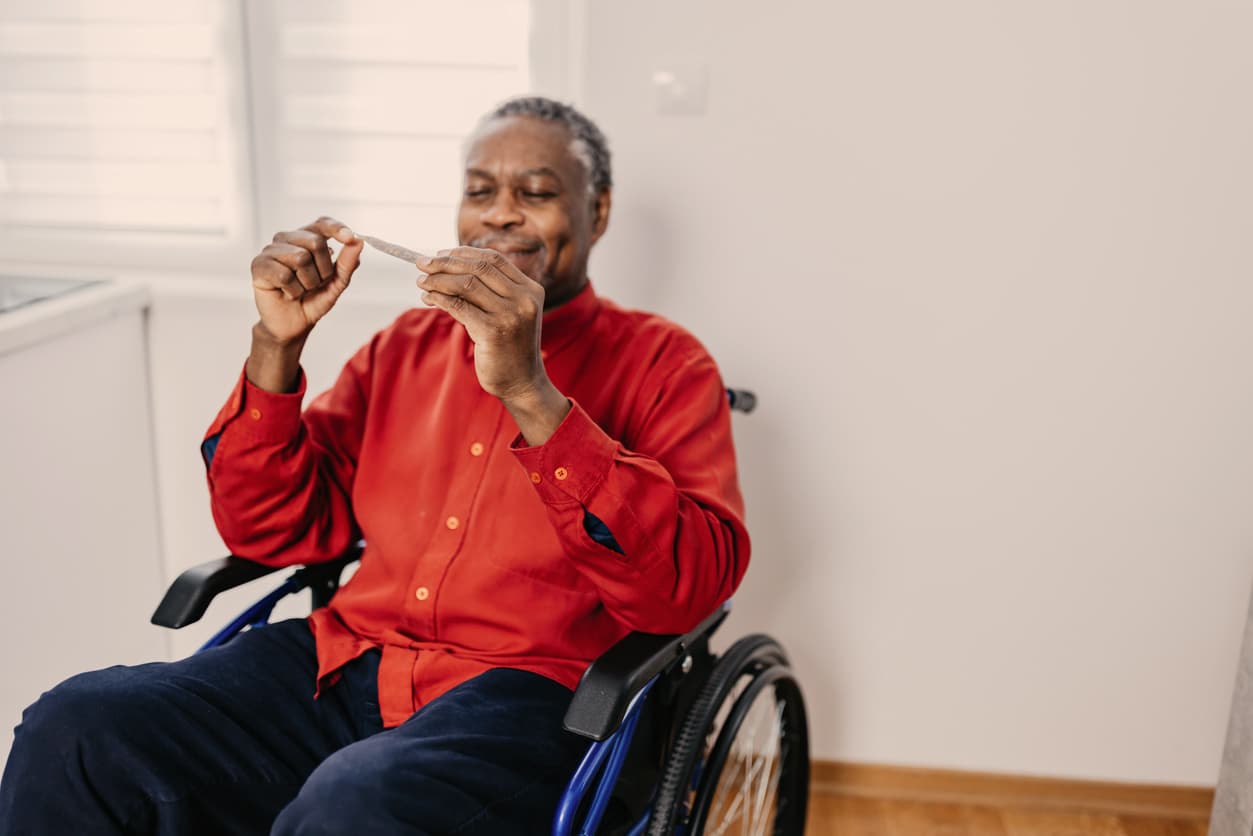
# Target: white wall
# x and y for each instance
(987, 265)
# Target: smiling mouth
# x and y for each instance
(527, 256)
(508, 247)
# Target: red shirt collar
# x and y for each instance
(565, 322)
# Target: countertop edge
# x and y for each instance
(50, 318)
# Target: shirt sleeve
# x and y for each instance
(672, 504)
(280, 482)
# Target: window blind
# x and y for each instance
(155, 131)
(116, 118)
(361, 110)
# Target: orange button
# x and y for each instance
(561, 473)
(422, 593)
(255, 413)
(535, 477)
(452, 522)
(476, 449)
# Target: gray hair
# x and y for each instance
(587, 143)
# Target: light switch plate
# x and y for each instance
(681, 88)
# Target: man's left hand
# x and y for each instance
(502, 310)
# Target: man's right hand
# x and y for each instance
(296, 282)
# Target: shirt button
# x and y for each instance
(422, 593)
(561, 473)
(476, 449)
(536, 478)
(452, 523)
(255, 413)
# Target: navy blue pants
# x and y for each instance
(231, 740)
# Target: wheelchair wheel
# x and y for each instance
(740, 763)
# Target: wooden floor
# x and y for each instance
(836, 815)
(852, 799)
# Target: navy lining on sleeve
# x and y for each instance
(210, 446)
(598, 531)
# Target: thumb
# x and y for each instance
(349, 259)
(320, 302)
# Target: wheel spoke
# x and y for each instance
(772, 769)
(725, 781)
(727, 817)
(760, 765)
(728, 770)
(747, 789)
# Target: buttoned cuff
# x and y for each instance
(269, 416)
(572, 463)
(260, 415)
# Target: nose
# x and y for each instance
(503, 211)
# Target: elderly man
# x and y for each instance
(535, 471)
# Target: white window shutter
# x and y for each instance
(361, 109)
(122, 131)
(183, 133)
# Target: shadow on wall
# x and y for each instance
(779, 581)
(646, 275)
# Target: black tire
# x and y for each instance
(753, 669)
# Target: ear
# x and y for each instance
(600, 213)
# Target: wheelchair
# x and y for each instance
(682, 741)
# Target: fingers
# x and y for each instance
(496, 272)
(458, 308)
(331, 228)
(300, 261)
(315, 244)
(349, 258)
(467, 287)
(286, 267)
(484, 278)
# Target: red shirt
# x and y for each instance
(478, 553)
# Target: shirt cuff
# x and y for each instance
(269, 416)
(572, 463)
(258, 414)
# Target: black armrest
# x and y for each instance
(608, 686)
(188, 597)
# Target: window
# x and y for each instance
(361, 108)
(182, 133)
(119, 129)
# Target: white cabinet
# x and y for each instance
(81, 571)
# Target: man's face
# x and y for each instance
(526, 196)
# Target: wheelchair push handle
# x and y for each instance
(741, 400)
